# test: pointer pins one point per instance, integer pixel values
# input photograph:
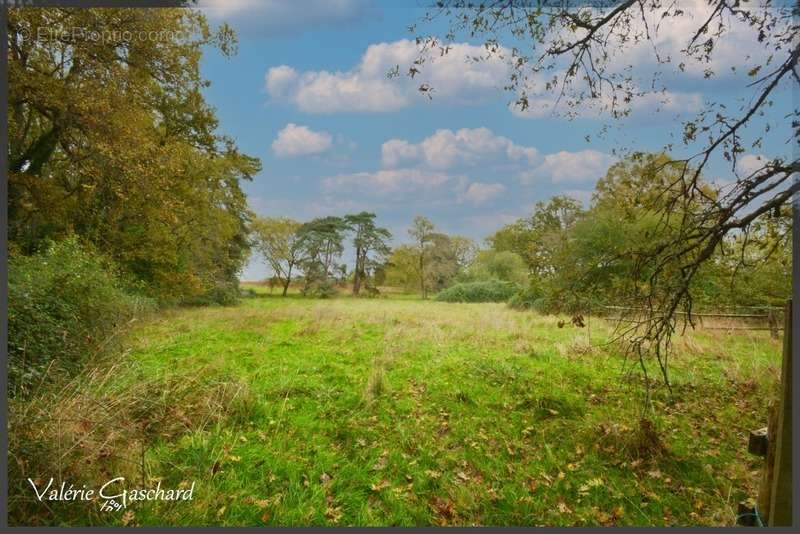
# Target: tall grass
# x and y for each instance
(97, 426)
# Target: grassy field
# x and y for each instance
(395, 411)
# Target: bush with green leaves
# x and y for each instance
(482, 291)
(529, 298)
(64, 303)
(323, 288)
(221, 292)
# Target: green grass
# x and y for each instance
(395, 411)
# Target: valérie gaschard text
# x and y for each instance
(112, 494)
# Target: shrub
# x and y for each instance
(222, 293)
(322, 289)
(483, 291)
(63, 304)
(537, 296)
(525, 299)
(247, 292)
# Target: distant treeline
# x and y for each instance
(564, 257)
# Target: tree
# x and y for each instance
(579, 54)
(539, 236)
(421, 231)
(504, 265)
(442, 262)
(278, 241)
(402, 268)
(367, 239)
(321, 241)
(464, 251)
(112, 140)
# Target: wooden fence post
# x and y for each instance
(773, 324)
(780, 508)
(768, 474)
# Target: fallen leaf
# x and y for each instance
(595, 482)
(261, 503)
(442, 507)
(333, 513)
(383, 484)
(603, 518)
(127, 517)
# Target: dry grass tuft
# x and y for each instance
(90, 430)
(640, 443)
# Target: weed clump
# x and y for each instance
(640, 443)
(377, 384)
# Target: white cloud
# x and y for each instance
(584, 165)
(296, 140)
(488, 223)
(479, 150)
(738, 46)
(458, 79)
(455, 76)
(479, 193)
(281, 80)
(395, 152)
(641, 106)
(660, 61)
(465, 147)
(386, 181)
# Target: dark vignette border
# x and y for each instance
(15, 4)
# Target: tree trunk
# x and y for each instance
(422, 275)
(287, 282)
(357, 273)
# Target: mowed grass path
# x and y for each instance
(404, 412)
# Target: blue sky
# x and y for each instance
(307, 93)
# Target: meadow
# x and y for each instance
(397, 411)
